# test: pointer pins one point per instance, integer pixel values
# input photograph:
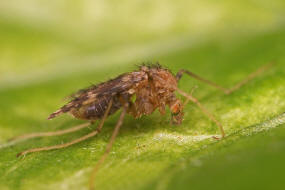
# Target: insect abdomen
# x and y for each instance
(95, 110)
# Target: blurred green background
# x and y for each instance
(49, 49)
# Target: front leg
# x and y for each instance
(224, 90)
(182, 71)
(204, 110)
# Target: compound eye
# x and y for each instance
(175, 109)
(175, 113)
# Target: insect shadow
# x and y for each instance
(141, 92)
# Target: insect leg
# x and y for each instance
(230, 90)
(182, 71)
(92, 134)
(191, 93)
(59, 146)
(204, 110)
(250, 77)
(108, 148)
(48, 134)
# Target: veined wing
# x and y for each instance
(110, 88)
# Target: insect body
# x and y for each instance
(153, 87)
(136, 93)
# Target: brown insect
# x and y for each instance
(136, 93)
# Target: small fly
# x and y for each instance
(141, 92)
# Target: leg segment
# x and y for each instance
(204, 110)
(109, 146)
(49, 134)
(226, 91)
(191, 93)
(181, 72)
(92, 134)
(250, 77)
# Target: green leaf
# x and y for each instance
(45, 57)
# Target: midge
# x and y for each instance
(136, 93)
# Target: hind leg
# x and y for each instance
(92, 134)
(109, 146)
(48, 134)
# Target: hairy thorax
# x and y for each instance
(155, 92)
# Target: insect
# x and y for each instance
(141, 92)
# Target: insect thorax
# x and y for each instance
(156, 91)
